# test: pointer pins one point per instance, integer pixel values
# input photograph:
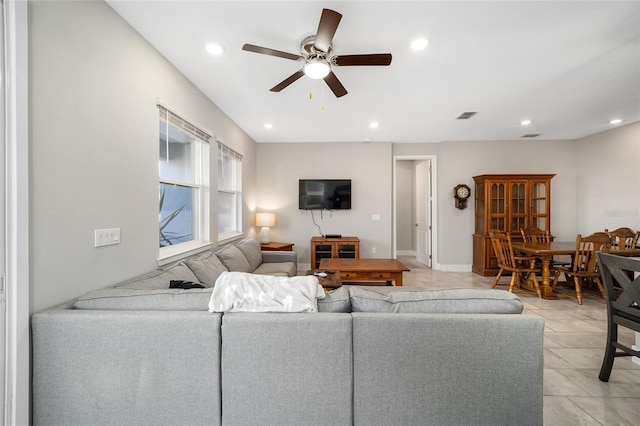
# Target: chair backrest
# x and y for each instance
(619, 271)
(623, 238)
(533, 234)
(501, 242)
(586, 248)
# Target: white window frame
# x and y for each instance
(201, 214)
(225, 154)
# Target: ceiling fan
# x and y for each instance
(316, 53)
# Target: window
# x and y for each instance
(184, 185)
(229, 193)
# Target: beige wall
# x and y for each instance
(608, 187)
(93, 86)
(94, 82)
(368, 165)
(405, 206)
(583, 200)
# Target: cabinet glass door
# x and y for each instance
(498, 205)
(540, 204)
(518, 206)
(479, 197)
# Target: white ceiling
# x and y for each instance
(570, 67)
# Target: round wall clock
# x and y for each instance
(461, 193)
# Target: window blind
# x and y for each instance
(171, 118)
(224, 150)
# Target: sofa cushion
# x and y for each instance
(284, 269)
(233, 259)
(250, 247)
(160, 278)
(207, 268)
(126, 299)
(335, 301)
(414, 300)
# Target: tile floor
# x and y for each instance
(573, 350)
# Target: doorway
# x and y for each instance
(415, 208)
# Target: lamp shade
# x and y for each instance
(316, 68)
(265, 219)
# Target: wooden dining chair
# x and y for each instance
(585, 266)
(533, 234)
(623, 238)
(509, 262)
(623, 307)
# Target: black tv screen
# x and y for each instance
(329, 194)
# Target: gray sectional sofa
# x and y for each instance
(371, 356)
(136, 354)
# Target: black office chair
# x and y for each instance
(623, 305)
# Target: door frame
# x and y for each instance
(16, 214)
(434, 205)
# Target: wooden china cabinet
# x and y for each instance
(508, 203)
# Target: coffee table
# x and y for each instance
(366, 269)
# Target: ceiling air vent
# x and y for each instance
(531, 135)
(466, 115)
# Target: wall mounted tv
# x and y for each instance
(329, 194)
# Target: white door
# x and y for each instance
(423, 212)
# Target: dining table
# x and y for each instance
(546, 251)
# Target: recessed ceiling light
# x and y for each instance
(214, 49)
(268, 126)
(419, 43)
(374, 124)
(615, 121)
(525, 122)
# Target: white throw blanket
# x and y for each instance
(243, 292)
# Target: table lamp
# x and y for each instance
(265, 220)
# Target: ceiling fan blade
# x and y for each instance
(271, 52)
(327, 27)
(334, 84)
(353, 60)
(287, 81)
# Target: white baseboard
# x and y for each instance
(406, 252)
(455, 268)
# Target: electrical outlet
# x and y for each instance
(106, 237)
(373, 250)
(375, 217)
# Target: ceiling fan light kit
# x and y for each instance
(316, 68)
(316, 54)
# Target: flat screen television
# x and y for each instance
(329, 194)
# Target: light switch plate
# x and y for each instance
(106, 237)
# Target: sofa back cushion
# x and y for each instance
(160, 278)
(233, 259)
(126, 299)
(447, 369)
(416, 300)
(250, 247)
(335, 301)
(287, 369)
(206, 268)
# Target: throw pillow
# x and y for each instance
(207, 268)
(233, 259)
(460, 301)
(250, 247)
